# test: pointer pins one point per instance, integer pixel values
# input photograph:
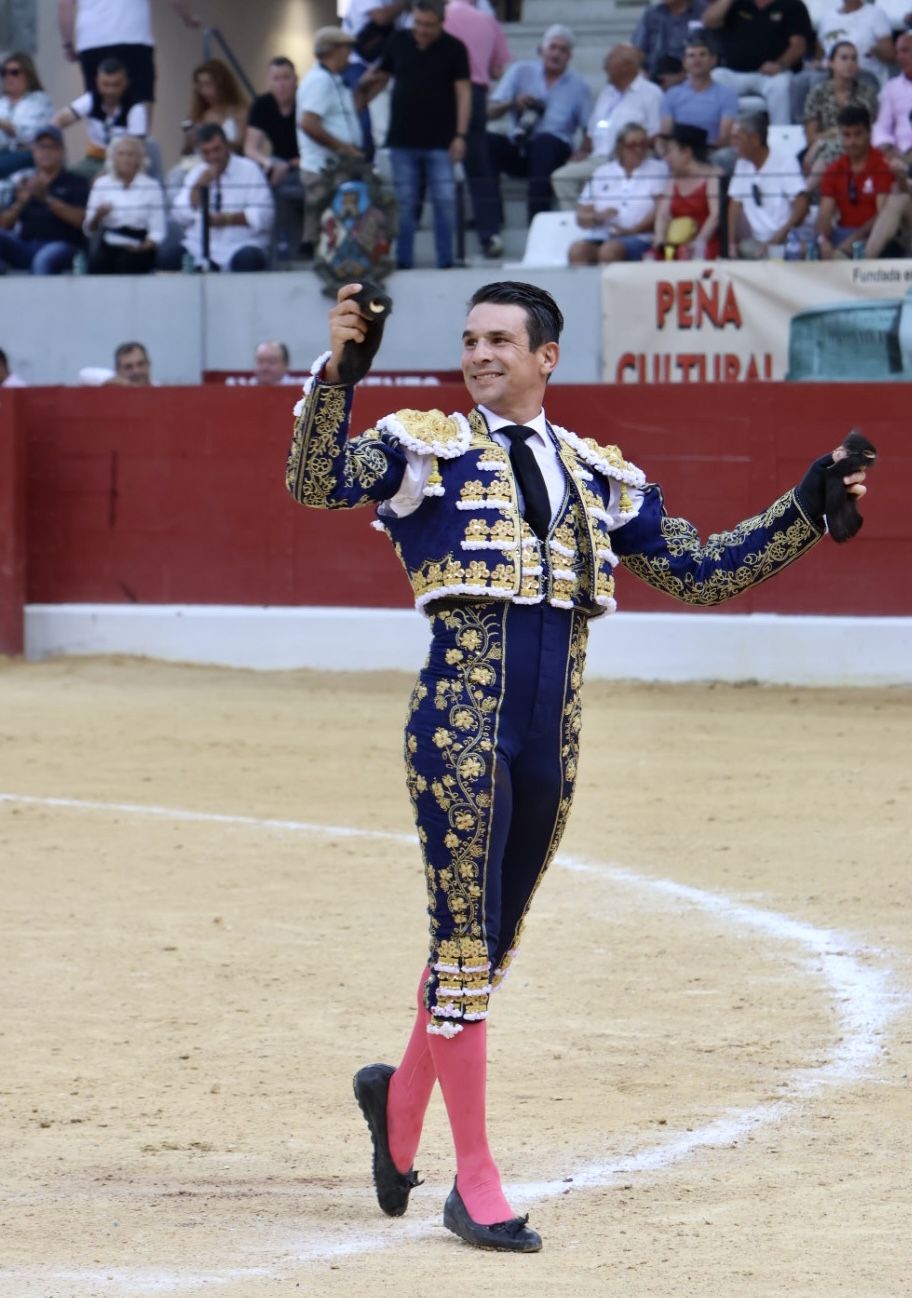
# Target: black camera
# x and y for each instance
(527, 121)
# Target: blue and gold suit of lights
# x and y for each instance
(493, 729)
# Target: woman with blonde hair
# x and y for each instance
(618, 204)
(24, 109)
(127, 209)
(217, 97)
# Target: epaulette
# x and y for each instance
(607, 460)
(429, 432)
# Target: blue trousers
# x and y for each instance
(434, 165)
(35, 255)
(491, 747)
(541, 155)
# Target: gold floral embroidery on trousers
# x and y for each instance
(462, 729)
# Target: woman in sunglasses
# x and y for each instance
(24, 109)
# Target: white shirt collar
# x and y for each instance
(496, 422)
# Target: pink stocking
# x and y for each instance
(461, 1064)
(410, 1090)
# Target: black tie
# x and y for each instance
(529, 477)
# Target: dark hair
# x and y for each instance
(435, 7)
(280, 61)
(854, 115)
(840, 45)
(699, 40)
(32, 80)
(210, 131)
(544, 321)
(111, 68)
(128, 347)
(3, 361)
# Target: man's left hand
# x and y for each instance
(457, 149)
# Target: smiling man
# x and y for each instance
(509, 529)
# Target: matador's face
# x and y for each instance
(500, 371)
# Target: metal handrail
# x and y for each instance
(213, 36)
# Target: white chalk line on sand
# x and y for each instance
(862, 991)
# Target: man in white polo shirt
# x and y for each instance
(328, 126)
(767, 194)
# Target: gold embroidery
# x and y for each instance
(432, 427)
(778, 550)
(320, 458)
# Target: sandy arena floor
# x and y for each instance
(700, 1065)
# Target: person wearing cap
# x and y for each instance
(687, 214)
(328, 126)
(41, 226)
(627, 98)
(550, 105)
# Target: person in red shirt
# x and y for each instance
(853, 189)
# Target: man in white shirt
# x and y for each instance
(240, 206)
(111, 111)
(617, 206)
(93, 30)
(328, 125)
(628, 97)
(270, 364)
(767, 194)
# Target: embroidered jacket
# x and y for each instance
(467, 536)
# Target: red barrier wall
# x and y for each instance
(12, 523)
(177, 495)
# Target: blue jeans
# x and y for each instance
(408, 167)
(36, 255)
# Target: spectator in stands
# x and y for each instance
(700, 101)
(7, 378)
(132, 367)
(842, 89)
(853, 189)
(863, 25)
(328, 127)
(47, 211)
(217, 98)
(429, 123)
(550, 105)
(271, 141)
(270, 366)
(893, 128)
(94, 30)
(891, 234)
(762, 42)
(628, 97)
(618, 204)
(663, 30)
(767, 194)
(489, 55)
(670, 72)
(111, 110)
(24, 107)
(687, 213)
(370, 25)
(126, 211)
(239, 205)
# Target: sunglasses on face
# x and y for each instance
(11, 72)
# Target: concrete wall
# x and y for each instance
(190, 322)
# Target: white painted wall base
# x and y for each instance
(627, 646)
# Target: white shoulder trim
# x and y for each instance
(429, 432)
(315, 370)
(622, 471)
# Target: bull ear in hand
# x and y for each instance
(357, 358)
(842, 516)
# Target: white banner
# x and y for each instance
(736, 321)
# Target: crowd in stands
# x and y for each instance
(681, 152)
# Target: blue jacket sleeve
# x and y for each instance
(325, 469)
(667, 553)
